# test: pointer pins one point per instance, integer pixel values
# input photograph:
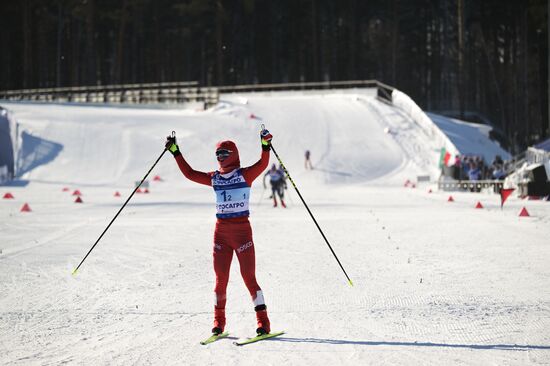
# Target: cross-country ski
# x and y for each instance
(259, 337)
(214, 337)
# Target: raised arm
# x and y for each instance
(252, 172)
(188, 172)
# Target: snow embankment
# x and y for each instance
(352, 137)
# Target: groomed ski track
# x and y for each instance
(435, 282)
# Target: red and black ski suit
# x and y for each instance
(232, 234)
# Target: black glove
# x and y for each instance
(171, 145)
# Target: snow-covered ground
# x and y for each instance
(435, 282)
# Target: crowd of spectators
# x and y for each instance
(474, 168)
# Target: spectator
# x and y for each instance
(457, 168)
(474, 173)
(498, 172)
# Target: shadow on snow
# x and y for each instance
(34, 152)
(502, 347)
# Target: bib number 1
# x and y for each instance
(226, 197)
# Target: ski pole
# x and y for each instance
(124, 205)
(309, 211)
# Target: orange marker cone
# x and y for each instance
(117, 194)
(26, 208)
(479, 205)
(77, 193)
(8, 196)
(450, 199)
(78, 200)
(524, 212)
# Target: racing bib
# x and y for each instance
(232, 195)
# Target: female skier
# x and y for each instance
(233, 233)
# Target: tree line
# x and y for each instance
(476, 60)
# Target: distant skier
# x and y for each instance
(233, 233)
(278, 184)
(308, 160)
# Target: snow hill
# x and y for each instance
(435, 282)
(353, 137)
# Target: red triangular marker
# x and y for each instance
(77, 193)
(8, 196)
(451, 199)
(78, 200)
(479, 205)
(117, 194)
(157, 178)
(66, 189)
(139, 190)
(524, 212)
(26, 208)
(504, 194)
(430, 190)
(413, 185)
(146, 190)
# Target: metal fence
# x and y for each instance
(469, 185)
(537, 156)
(152, 93)
(302, 86)
(175, 92)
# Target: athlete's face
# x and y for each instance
(222, 154)
(227, 155)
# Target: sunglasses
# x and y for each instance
(223, 153)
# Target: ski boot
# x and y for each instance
(263, 321)
(283, 204)
(219, 321)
